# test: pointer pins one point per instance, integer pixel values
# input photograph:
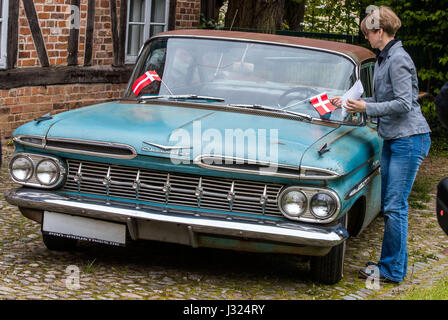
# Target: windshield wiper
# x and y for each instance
(180, 96)
(302, 116)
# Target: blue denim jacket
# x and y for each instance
(395, 96)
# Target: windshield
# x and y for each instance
(244, 73)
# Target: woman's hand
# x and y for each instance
(336, 101)
(356, 106)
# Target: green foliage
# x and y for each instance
(331, 16)
(439, 134)
(208, 23)
(424, 30)
(425, 26)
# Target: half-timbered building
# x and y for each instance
(57, 55)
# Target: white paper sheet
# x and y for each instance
(354, 93)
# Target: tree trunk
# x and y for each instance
(294, 14)
(266, 15)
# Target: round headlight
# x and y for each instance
(47, 172)
(293, 203)
(21, 168)
(323, 205)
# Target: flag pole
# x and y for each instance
(167, 87)
(292, 105)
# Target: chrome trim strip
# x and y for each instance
(301, 170)
(309, 193)
(287, 232)
(92, 143)
(167, 148)
(362, 184)
(199, 162)
(19, 139)
(331, 174)
(199, 192)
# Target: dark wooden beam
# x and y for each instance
(37, 76)
(88, 51)
(172, 15)
(114, 30)
(73, 39)
(13, 34)
(33, 21)
(122, 35)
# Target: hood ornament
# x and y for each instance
(46, 116)
(154, 147)
(166, 148)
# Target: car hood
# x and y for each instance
(150, 128)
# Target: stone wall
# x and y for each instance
(21, 105)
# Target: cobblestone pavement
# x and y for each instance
(152, 270)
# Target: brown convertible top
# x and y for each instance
(359, 54)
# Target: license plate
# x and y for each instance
(82, 228)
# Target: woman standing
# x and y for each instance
(405, 133)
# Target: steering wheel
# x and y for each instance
(301, 94)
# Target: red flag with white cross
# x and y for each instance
(322, 104)
(146, 79)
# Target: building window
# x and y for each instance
(3, 32)
(146, 18)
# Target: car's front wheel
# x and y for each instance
(329, 269)
(58, 243)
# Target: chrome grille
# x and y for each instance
(173, 188)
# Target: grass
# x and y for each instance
(90, 268)
(420, 256)
(423, 186)
(437, 291)
(426, 181)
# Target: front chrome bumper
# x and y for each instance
(193, 222)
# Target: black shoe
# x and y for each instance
(371, 263)
(364, 273)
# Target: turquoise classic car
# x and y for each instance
(215, 143)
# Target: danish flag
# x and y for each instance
(322, 104)
(145, 80)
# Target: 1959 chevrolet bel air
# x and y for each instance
(215, 143)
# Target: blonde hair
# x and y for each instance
(381, 18)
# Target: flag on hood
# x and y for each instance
(147, 78)
(322, 104)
